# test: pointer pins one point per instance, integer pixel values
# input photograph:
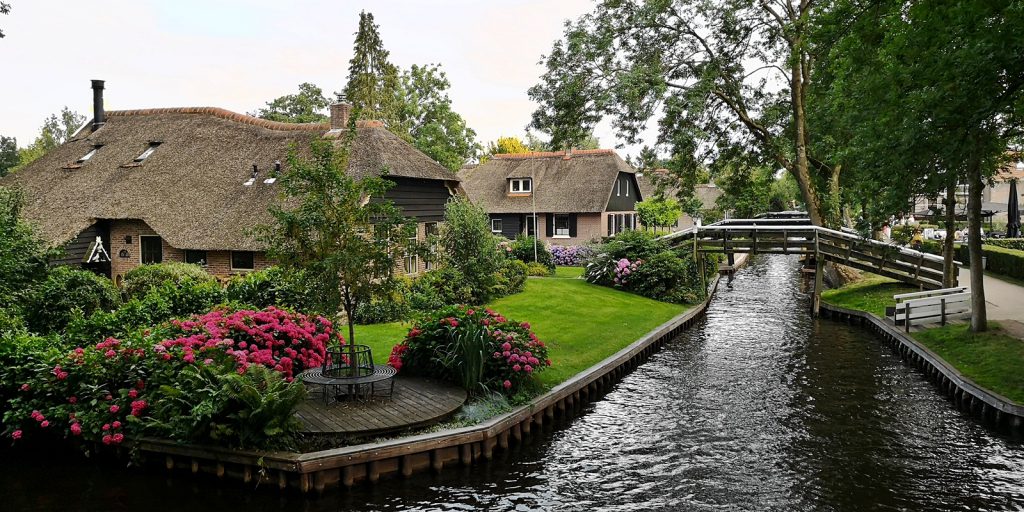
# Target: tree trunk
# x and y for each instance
(979, 316)
(802, 167)
(950, 271)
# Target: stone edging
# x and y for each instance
(315, 471)
(994, 410)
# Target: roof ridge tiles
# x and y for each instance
(223, 114)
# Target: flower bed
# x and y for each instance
(479, 348)
(223, 376)
(571, 255)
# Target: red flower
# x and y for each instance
(76, 429)
(72, 399)
(44, 423)
(507, 384)
(114, 409)
(16, 434)
(25, 387)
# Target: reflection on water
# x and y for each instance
(757, 407)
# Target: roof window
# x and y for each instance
(149, 151)
(520, 186)
(87, 156)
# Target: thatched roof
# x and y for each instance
(708, 193)
(190, 190)
(581, 182)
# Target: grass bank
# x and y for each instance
(991, 359)
(582, 323)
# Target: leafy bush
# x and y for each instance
(903, 234)
(11, 321)
(522, 249)
(480, 349)
(1007, 262)
(139, 280)
(667, 277)
(631, 245)
(439, 288)
(538, 269)
(223, 376)
(273, 286)
(570, 255)
(512, 277)
(23, 255)
(392, 305)
(637, 262)
(1007, 243)
(65, 291)
(470, 248)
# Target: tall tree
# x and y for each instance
(725, 74)
(505, 146)
(935, 93)
(56, 130)
(373, 81)
(343, 243)
(309, 105)
(9, 157)
(5, 8)
(425, 113)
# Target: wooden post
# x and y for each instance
(819, 277)
(942, 310)
(906, 317)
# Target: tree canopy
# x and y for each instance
(309, 105)
(373, 81)
(425, 114)
(56, 130)
(9, 157)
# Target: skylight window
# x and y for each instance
(85, 158)
(149, 151)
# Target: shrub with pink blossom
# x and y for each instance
(225, 376)
(505, 353)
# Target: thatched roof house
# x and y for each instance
(199, 179)
(577, 195)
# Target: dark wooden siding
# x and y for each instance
(74, 251)
(619, 201)
(423, 200)
(511, 223)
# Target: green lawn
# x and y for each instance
(581, 323)
(872, 294)
(569, 272)
(993, 359)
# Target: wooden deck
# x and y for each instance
(415, 402)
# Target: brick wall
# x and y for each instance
(218, 262)
(588, 229)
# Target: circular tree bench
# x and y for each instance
(363, 374)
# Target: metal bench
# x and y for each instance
(927, 307)
(354, 375)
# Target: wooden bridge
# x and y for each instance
(799, 236)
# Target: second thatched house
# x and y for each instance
(567, 198)
(189, 184)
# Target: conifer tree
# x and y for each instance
(373, 81)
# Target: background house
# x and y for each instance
(190, 184)
(708, 195)
(577, 195)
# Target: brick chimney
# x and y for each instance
(99, 117)
(339, 115)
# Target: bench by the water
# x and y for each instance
(928, 306)
(351, 369)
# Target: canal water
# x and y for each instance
(757, 407)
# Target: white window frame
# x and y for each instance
(498, 229)
(92, 152)
(526, 225)
(558, 233)
(142, 253)
(618, 188)
(411, 260)
(431, 261)
(231, 261)
(520, 186)
(627, 186)
(148, 152)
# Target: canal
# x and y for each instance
(757, 407)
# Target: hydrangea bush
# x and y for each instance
(570, 255)
(115, 388)
(509, 353)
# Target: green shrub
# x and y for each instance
(139, 280)
(1007, 243)
(903, 234)
(932, 247)
(67, 290)
(470, 248)
(23, 255)
(11, 321)
(538, 269)
(273, 286)
(630, 244)
(638, 262)
(667, 277)
(479, 349)
(512, 277)
(522, 249)
(1007, 262)
(389, 306)
(438, 288)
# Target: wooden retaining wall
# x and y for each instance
(995, 411)
(316, 471)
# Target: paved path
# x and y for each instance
(1005, 300)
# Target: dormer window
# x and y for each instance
(85, 158)
(149, 151)
(520, 186)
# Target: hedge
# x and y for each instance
(1007, 262)
(1007, 243)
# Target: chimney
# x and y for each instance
(98, 116)
(339, 115)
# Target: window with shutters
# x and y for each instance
(561, 226)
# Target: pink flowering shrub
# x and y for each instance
(510, 353)
(623, 269)
(571, 255)
(108, 391)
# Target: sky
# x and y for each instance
(239, 54)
